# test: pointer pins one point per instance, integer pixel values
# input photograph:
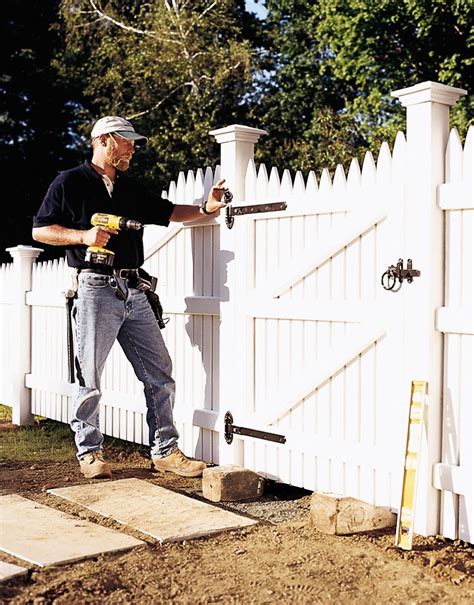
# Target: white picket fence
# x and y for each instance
(456, 320)
(283, 321)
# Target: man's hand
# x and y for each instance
(97, 236)
(214, 199)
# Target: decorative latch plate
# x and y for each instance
(397, 272)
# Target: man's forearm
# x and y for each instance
(184, 213)
(57, 235)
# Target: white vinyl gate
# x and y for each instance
(283, 321)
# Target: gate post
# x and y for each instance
(237, 149)
(23, 259)
(427, 121)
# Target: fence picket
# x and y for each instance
(468, 159)
(262, 183)
(250, 183)
(325, 186)
(299, 191)
(172, 191)
(181, 189)
(311, 188)
(399, 159)
(354, 175)
(384, 165)
(368, 169)
(286, 186)
(454, 156)
(189, 188)
(198, 194)
(274, 186)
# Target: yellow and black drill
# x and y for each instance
(102, 256)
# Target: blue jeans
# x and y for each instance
(100, 318)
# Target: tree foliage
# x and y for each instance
(177, 68)
(36, 119)
(336, 62)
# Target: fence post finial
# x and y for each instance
(23, 259)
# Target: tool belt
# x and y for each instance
(123, 273)
(136, 278)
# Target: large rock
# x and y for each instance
(231, 483)
(335, 514)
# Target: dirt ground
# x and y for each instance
(280, 560)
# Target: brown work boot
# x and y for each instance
(93, 466)
(179, 464)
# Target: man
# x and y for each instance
(107, 305)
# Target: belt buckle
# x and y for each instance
(125, 273)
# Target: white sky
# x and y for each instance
(256, 8)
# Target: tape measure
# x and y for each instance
(406, 516)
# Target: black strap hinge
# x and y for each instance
(230, 430)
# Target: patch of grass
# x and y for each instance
(48, 440)
(45, 441)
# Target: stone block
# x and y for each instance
(231, 483)
(335, 514)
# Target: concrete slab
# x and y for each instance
(153, 510)
(8, 571)
(45, 536)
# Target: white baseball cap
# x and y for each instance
(121, 126)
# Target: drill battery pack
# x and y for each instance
(99, 256)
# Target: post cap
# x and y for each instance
(24, 251)
(237, 132)
(428, 91)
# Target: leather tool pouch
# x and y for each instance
(157, 309)
(147, 283)
(143, 281)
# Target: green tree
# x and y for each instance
(335, 63)
(177, 68)
(36, 116)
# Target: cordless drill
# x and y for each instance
(102, 256)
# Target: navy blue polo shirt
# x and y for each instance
(76, 194)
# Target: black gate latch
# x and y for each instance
(394, 272)
(230, 430)
(230, 211)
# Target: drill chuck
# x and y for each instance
(130, 223)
